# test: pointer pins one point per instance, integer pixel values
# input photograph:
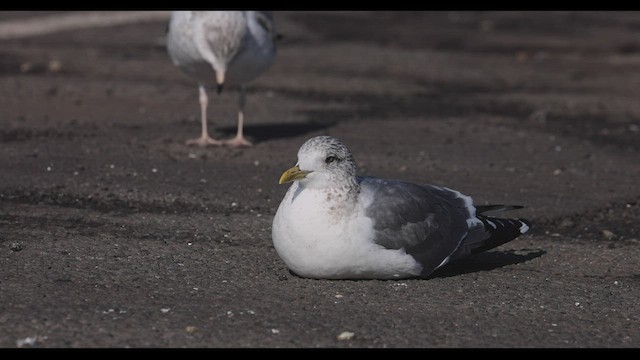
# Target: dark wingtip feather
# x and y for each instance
(502, 231)
(525, 222)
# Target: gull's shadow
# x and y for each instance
(487, 261)
(264, 132)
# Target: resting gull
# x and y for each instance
(221, 47)
(334, 224)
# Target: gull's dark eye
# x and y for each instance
(330, 159)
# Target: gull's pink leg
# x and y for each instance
(204, 139)
(239, 140)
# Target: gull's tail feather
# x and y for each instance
(489, 232)
(500, 231)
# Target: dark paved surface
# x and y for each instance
(113, 233)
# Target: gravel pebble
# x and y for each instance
(608, 234)
(16, 246)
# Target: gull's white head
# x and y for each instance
(323, 162)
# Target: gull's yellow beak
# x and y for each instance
(293, 174)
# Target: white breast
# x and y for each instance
(319, 236)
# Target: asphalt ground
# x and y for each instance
(114, 233)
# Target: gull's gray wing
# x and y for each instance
(428, 222)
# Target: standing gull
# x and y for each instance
(334, 224)
(221, 47)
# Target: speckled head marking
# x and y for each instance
(330, 161)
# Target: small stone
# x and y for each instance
(608, 234)
(567, 223)
(345, 335)
(25, 67)
(190, 329)
(26, 341)
(54, 65)
(16, 246)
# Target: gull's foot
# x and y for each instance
(204, 141)
(238, 142)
